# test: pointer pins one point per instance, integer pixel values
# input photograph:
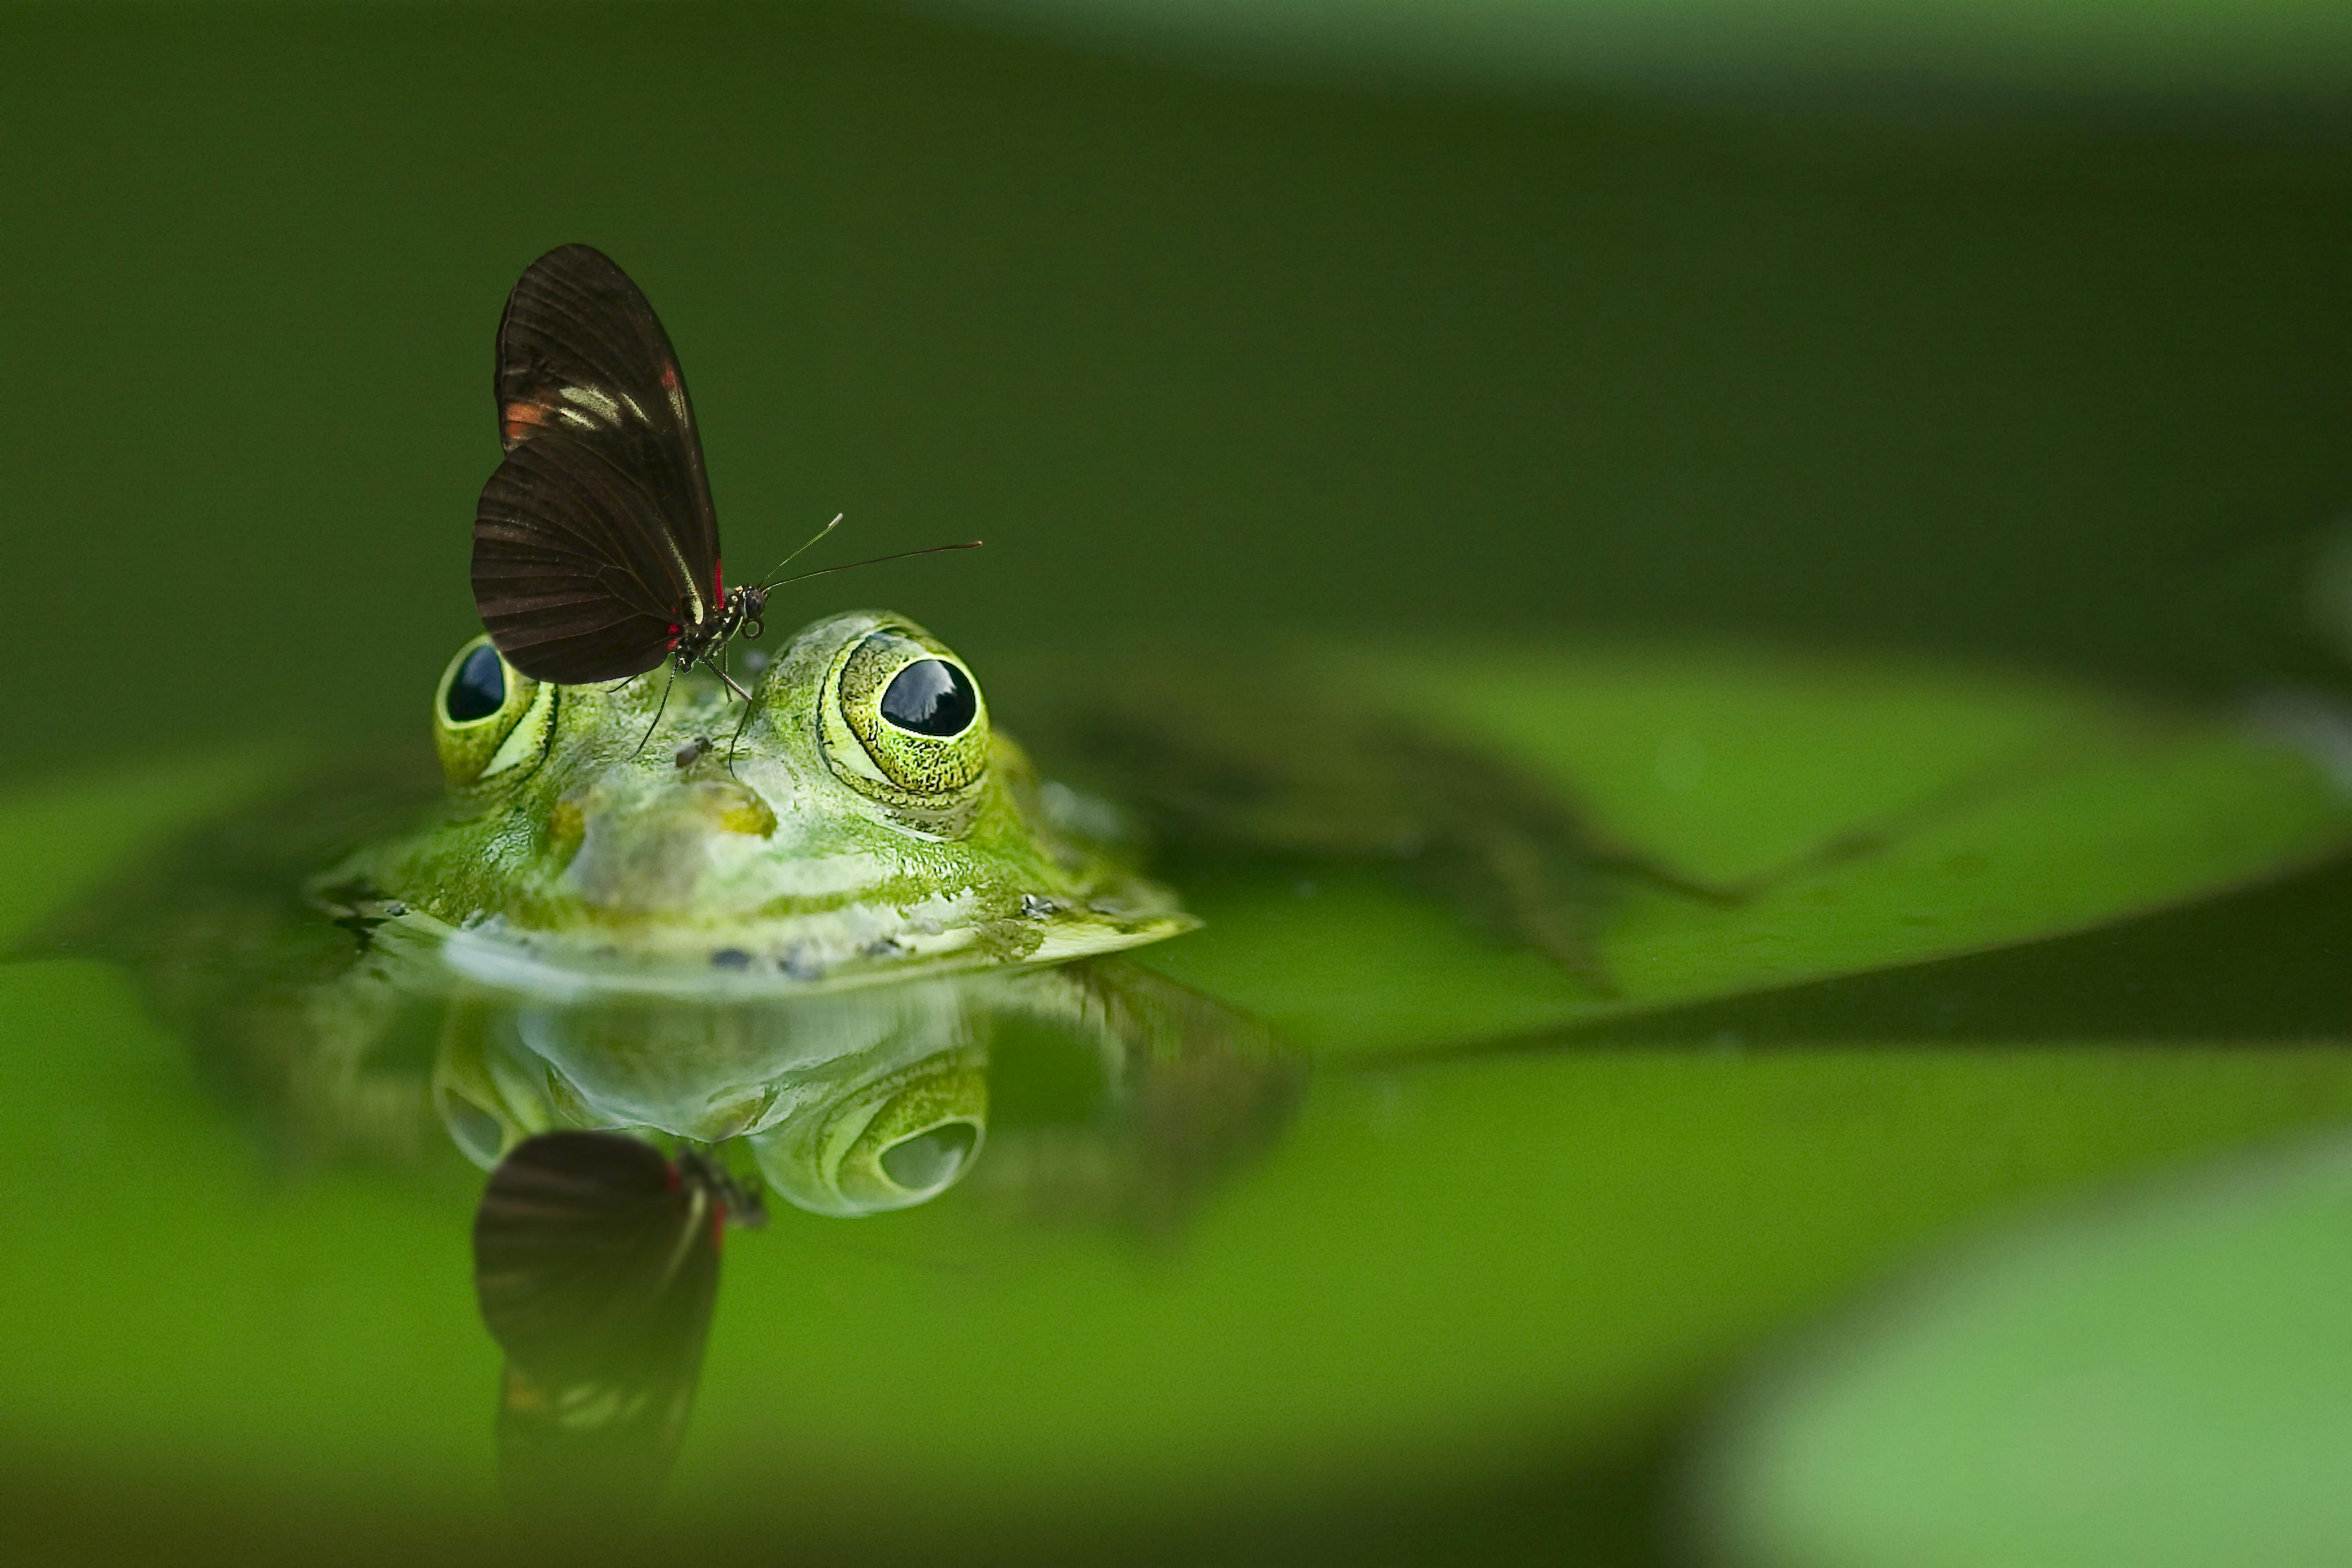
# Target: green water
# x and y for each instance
(2017, 418)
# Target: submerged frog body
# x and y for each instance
(859, 821)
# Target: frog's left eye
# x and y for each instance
(490, 721)
(477, 687)
(906, 725)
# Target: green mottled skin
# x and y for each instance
(589, 841)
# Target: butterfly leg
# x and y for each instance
(741, 725)
(659, 708)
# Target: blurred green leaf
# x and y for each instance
(2166, 1380)
(1896, 813)
(2100, 48)
(68, 835)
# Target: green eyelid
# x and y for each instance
(923, 775)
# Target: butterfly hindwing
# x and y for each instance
(596, 1267)
(589, 1244)
(567, 571)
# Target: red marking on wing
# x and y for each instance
(718, 582)
(669, 377)
(519, 419)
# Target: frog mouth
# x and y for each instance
(808, 955)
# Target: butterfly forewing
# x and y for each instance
(595, 541)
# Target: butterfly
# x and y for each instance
(596, 1268)
(596, 552)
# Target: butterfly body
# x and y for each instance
(739, 614)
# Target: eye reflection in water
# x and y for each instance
(596, 1267)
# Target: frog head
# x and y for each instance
(853, 818)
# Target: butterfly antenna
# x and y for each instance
(659, 708)
(803, 549)
(871, 560)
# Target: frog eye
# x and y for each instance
(489, 720)
(477, 687)
(917, 729)
(930, 696)
(891, 1144)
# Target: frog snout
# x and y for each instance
(651, 855)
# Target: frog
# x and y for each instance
(858, 821)
(858, 856)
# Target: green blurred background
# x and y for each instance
(1895, 340)
(1972, 329)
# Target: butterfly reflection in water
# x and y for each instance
(596, 1266)
(595, 544)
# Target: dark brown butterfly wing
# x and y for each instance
(595, 541)
(569, 576)
(596, 1266)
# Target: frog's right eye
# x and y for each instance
(890, 1142)
(490, 721)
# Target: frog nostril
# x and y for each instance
(930, 1159)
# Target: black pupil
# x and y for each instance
(930, 696)
(480, 688)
